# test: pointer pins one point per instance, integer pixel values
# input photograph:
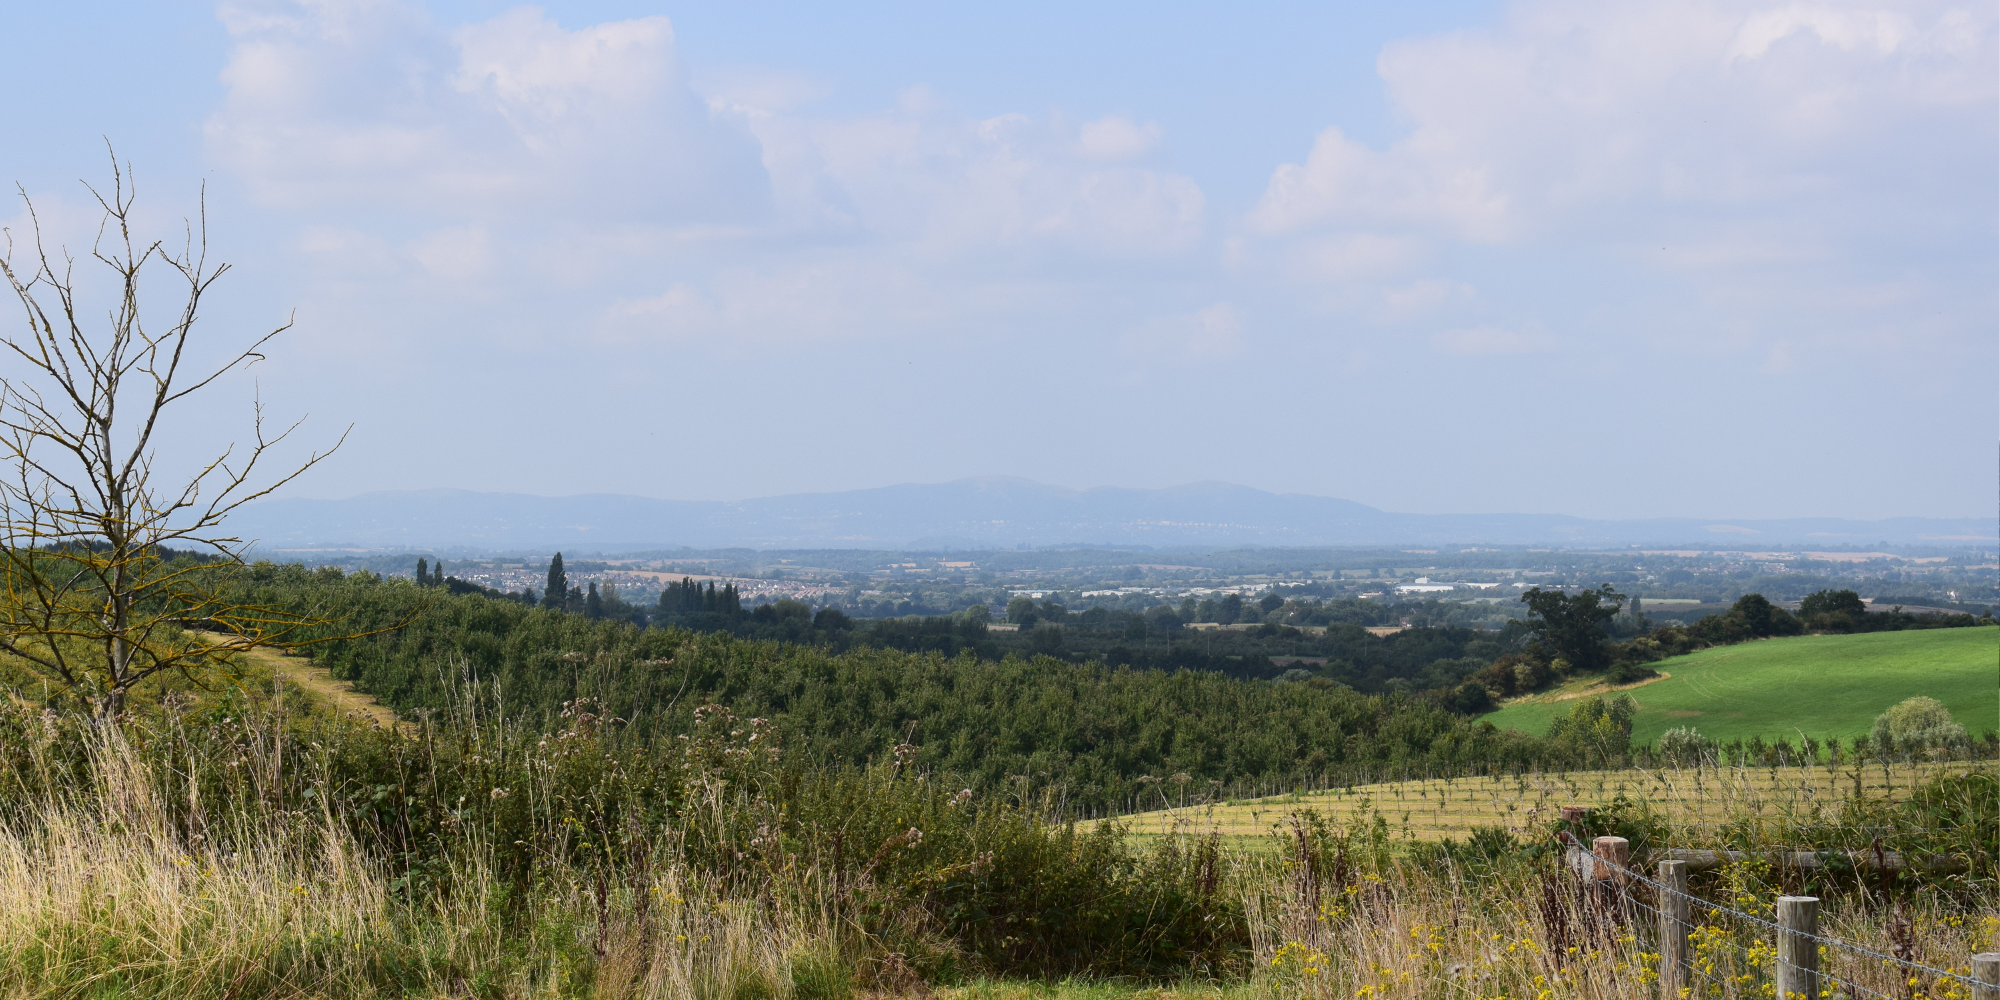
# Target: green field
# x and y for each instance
(1824, 685)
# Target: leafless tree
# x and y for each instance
(94, 598)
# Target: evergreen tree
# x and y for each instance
(681, 598)
(437, 574)
(423, 572)
(593, 605)
(558, 587)
(687, 598)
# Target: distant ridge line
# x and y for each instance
(1002, 512)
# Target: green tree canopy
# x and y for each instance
(1762, 617)
(1229, 609)
(1572, 625)
(1832, 602)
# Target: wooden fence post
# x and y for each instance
(1612, 853)
(1607, 884)
(1798, 948)
(1674, 926)
(1986, 972)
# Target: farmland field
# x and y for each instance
(1822, 685)
(1691, 799)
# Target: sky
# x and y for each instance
(1652, 258)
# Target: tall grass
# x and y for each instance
(102, 894)
(226, 853)
(1417, 932)
(109, 890)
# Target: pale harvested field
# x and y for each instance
(1452, 807)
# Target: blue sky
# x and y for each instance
(1641, 259)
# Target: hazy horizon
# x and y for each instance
(1693, 516)
(1006, 512)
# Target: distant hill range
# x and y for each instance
(1003, 513)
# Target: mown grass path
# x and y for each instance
(320, 685)
(1819, 685)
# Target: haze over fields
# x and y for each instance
(1004, 512)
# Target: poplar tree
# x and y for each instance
(593, 605)
(558, 589)
(423, 573)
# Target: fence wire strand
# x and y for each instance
(1749, 918)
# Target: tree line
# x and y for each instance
(1099, 734)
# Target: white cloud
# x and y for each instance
(1210, 334)
(368, 103)
(1419, 299)
(543, 77)
(1351, 256)
(846, 298)
(1588, 118)
(523, 154)
(1116, 138)
(64, 218)
(1779, 359)
(758, 93)
(1487, 340)
(1345, 183)
(953, 186)
(349, 251)
(1846, 29)
(459, 253)
(1750, 181)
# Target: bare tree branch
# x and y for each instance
(90, 593)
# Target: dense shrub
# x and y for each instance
(1682, 746)
(1916, 724)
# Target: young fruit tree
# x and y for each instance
(113, 570)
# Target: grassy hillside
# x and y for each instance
(1824, 685)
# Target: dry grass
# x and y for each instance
(1432, 809)
(1437, 933)
(102, 897)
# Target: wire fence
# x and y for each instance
(1708, 958)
